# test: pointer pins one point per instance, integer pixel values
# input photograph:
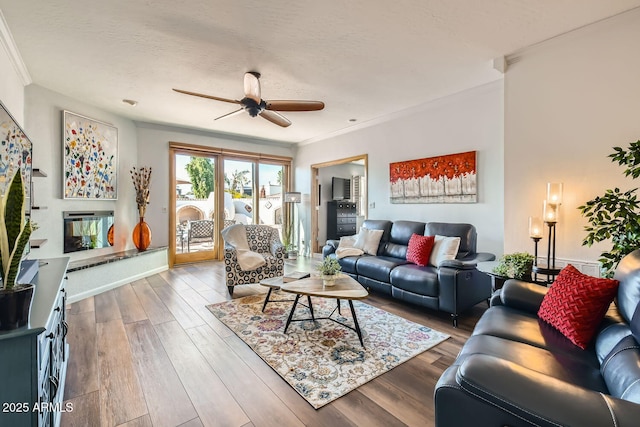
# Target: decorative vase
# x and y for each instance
(15, 305)
(329, 279)
(141, 235)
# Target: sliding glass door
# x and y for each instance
(212, 189)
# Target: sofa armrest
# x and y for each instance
(538, 398)
(469, 261)
(522, 295)
(459, 264)
(330, 247)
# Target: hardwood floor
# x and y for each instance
(150, 354)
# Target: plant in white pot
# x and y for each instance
(15, 298)
(329, 270)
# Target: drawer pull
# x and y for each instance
(65, 326)
(50, 335)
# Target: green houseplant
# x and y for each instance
(515, 266)
(15, 299)
(329, 269)
(615, 215)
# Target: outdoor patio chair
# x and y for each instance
(200, 231)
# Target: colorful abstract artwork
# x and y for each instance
(90, 158)
(442, 179)
(15, 152)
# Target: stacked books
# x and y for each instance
(296, 275)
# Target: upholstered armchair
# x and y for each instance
(261, 239)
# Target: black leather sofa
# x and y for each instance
(453, 287)
(516, 370)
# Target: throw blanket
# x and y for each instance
(347, 247)
(236, 236)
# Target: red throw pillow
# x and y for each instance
(576, 304)
(419, 249)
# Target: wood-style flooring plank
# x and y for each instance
(156, 311)
(82, 370)
(166, 398)
(121, 397)
(212, 400)
(193, 423)
(246, 387)
(199, 305)
(106, 307)
(181, 311)
(130, 308)
(356, 406)
(143, 421)
(82, 306)
(85, 411)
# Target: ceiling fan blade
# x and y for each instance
(201, 95)
(252, 86)
(283, 105)
(276, 118)
(233, 113)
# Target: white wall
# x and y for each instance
(153, 148)
(43, 117)
(568, 101)
(11, 88)
(471, 120)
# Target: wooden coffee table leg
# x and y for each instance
(355, 321)
(266, 300)
(293, 308)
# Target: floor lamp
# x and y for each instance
(291, 198)
(550, 218)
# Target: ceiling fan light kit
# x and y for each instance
(253, 104)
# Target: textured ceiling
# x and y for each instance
(365, 59)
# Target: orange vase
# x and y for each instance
(141, 235)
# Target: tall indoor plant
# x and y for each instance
(615, 215)
(15, 299)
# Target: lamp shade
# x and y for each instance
(535, 227)
(550, 212)
(292, 197)
(554, 193)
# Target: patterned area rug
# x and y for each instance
(323, 360)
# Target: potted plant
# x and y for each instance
(515, 266)
(615, 215)
(329, 270)
(15, 298)
(289, 247)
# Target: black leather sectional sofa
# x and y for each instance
(516, 370)
(453, 287)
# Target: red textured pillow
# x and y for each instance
(576, 304)
(419, 249)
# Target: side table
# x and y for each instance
(497, 281)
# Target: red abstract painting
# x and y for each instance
(443, 179)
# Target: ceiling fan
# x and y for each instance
(256, 106)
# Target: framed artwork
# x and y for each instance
(90, 158)
(15, 153)
(443, 179)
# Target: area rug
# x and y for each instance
(323, 360)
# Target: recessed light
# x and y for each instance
(353, 120)
(130, 102)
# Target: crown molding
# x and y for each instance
(13, 53)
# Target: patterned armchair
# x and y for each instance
(262, 239)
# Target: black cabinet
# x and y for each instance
(341, 219)
(33, 359)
